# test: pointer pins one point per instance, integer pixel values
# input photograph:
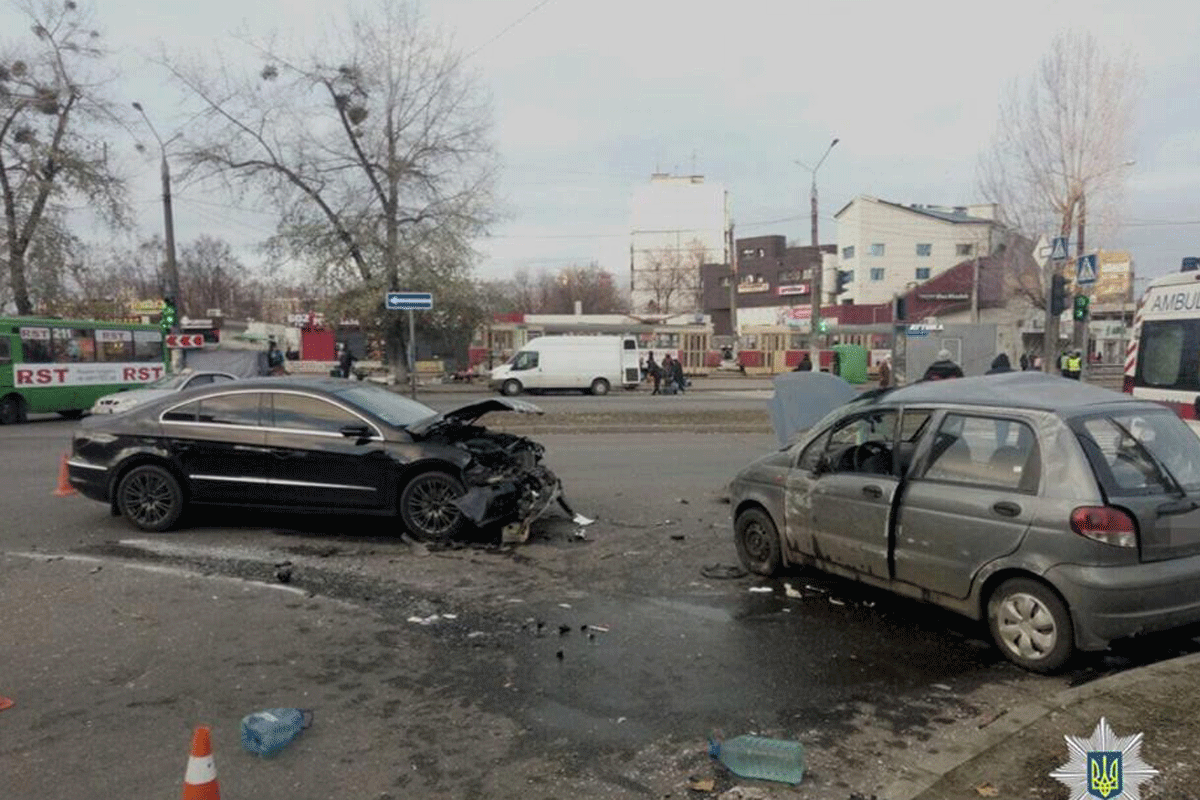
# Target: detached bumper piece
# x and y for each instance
(515, 501)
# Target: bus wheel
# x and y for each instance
(12, 409)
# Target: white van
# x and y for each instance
(1163, 359)
(592, 363)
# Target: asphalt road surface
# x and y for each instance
(587, 662)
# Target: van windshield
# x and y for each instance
(1142, 452)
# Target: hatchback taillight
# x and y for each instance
(1105, 524)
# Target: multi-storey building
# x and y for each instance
(770, 275)
(885, 248)
(678, 223)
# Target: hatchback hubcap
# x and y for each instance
(757, 545)
(1026, 626)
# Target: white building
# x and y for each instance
(887, 247)
(678, 222)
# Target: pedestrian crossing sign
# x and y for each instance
(1085, 270)
(1058, 252)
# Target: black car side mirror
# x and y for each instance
(359, 432)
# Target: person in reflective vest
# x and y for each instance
(1074, 366)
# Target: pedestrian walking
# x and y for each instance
(677, 374)
(1024, 361)
(655, 373)
(668, 371)
(274, 359)
(1000, 364)
(885, 372)
(346, 360)
(942, 369)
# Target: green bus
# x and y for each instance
(65, 365)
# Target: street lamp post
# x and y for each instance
(168, 218)
(815, 289)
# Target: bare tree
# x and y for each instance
(672, 275)
(51, 102)
(374, 147)
(1060, 141)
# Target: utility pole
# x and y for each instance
(975, 289)
(733, 284)
(1080, 337)
(815, 289)
(169, 232)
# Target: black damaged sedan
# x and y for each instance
(314, 445)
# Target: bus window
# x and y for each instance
(5, 350)
(114, 345)
(147, 346)
(35, 346)
(73, 344)
(1162, 353)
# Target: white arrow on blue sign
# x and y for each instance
(1085, 270)
(409, 301)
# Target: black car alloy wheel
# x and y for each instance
(150, 498)
(427, 506)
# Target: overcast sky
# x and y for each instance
(591, 97)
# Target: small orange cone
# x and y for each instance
(200, 781)
(64, 481)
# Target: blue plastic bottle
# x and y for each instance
(759, 758)
(266, 732)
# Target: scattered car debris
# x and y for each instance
(432, 618)
(678, 537)
(475, 634)
(942, 687)
(564, 605)
(559, 655)
(95, 569)
(563, 630)
(283, 572)
(683, 501)
(598, 628)
(790, 592)
(812, 588)
(722, 571)
(761, 589)
(6, 702)
(837, 602)
(705, 785)
(266, 732)
(987, 790)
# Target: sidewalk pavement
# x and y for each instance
(1014, 756)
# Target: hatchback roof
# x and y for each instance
(1024, 389)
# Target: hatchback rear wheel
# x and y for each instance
(757, 542)
(427, 506)
(1031, 625)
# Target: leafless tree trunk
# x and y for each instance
(374, 147)
(671, 273)
(1062, 136)
(50, 96)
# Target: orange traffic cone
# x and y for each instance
(200, 781)
(64, 482)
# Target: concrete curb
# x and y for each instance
(920, 777)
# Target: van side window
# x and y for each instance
(526, 359)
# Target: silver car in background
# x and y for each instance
(1065, 515)
(176, 382)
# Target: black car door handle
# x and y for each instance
(1006, 509)
(872, 491)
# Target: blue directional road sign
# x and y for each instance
(1085, 270)
(409, 301)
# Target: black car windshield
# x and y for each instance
(388, 406)
(1142, 451)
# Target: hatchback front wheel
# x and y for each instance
(1031, 625)
(757, 542)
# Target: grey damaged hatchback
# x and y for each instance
(1065, 515)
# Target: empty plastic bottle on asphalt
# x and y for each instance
(266, 732)
(759, 758)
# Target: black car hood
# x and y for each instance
(469, 413)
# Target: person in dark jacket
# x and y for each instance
(677, 374)
(1000, 364)
(655, 373)
(805, 364)
(943, 368)
(346, 361)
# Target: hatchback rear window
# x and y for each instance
(1141, 452)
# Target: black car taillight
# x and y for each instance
(1105, 524)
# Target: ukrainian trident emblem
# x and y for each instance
(1104, 765)
(1104, 773)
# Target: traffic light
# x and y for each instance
(844, 278)
(1081, 306)
(1058, 295)
(823, 326)
(169, 315)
